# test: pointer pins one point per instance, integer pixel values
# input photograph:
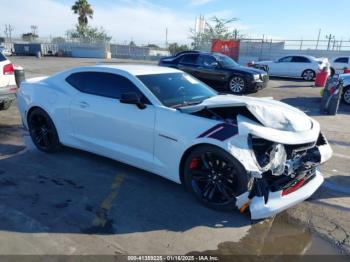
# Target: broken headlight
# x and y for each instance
(269, 155)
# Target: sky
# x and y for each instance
(145, 21)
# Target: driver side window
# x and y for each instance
(206, 60)
(285, 59)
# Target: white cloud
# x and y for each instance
(51, 17)
(199, 2)
(143, 23)
(140, 20)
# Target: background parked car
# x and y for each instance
(5, 51)
(218, 70)
(294, 66)
(7, 83)
(339, 63)
(346, 88)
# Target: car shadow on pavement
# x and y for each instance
(77, 192)
(9, 149)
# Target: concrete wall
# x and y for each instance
(83, 50)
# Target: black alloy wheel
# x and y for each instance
(215, 177)
(42, 131)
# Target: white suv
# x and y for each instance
(8, 86)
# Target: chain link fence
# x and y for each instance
(263, 49)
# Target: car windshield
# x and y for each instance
(177, 89)
(225, 61)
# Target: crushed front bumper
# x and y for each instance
(277, 202)
(256, 85)
(273, 194)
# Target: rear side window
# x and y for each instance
(286, 59)
(342, 60)
(189, 59)
(2, 57)
(103, 84)
(300, 59)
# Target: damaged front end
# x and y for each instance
(279, 146)
(289, 175)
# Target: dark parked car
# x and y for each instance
(218, 70)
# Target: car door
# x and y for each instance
(298, 65)
(280, 67)
(209, 71)
(340, 63)
(104, 125)
(188, 64)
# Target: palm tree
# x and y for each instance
(84, 10)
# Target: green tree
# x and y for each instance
(58, 40)
(82, 31)
(175, 48)
(216, 28)
(29, 37)
(84, 11)
(89, 34)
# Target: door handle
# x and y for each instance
(83, 104)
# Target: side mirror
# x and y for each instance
(132, 98)
(215, 64)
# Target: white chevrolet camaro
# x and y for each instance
(229, 151)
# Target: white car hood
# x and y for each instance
(269, 112)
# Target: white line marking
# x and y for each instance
(214, 131)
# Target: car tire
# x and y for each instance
(237, 85)
(215, 177)
(43, 131)
(346, 95)
(308, 75)
(5, 105)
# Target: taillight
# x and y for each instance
(8, 69)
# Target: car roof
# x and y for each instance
(307, 56)
(138, 69)
(194, 52)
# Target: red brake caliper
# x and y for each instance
(194, 163)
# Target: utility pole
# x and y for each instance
(8, 32)
(318, 38)
(34, 29)
(166, 37)
(330, 37)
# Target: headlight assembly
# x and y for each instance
(269, 155)
(256, 77)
